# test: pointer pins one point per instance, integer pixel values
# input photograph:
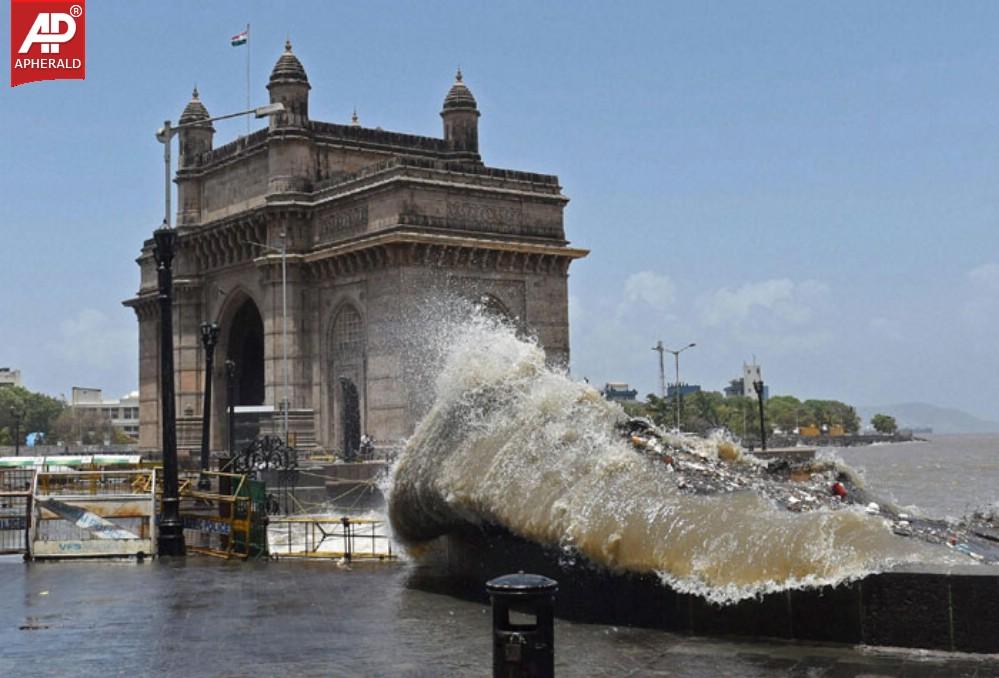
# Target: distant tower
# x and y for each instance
(193, 141)
(461, 120)
(290, 86)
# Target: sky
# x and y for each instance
(815, 185)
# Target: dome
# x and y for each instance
(194, 111)
(459, 97)
(288, 68)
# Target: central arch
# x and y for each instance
(246, 349)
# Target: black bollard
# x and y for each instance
(525, 646)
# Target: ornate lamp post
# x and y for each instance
(171, 530)
(209, 338)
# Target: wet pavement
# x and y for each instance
(204, 617)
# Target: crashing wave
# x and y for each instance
(511, 441)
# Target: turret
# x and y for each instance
(194, 138)
(461, 120)
(197, 138)
(290, 86)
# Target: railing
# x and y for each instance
(329, 537)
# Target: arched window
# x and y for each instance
(348, 333)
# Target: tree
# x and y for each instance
(784, 412)
(86, 426)
(883, 423)
(37, 411)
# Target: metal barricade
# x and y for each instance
(341, 537)
(226, 519)
(15, 509)
(93, 513)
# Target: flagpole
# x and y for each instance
(247, 77)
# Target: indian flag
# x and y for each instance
(240, 38)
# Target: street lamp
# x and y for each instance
(171, 530)
(758, 387)
(283, 251)
(209, 338)
(676, 357)
(17, 416)
(231, 374)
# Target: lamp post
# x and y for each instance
(283, 251)
(209, 338)
(230, 406)
(676, 357)
(171, 530)
(662, 369)
(758, 387)
(17, 415)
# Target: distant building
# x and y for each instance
(10, 376)
(619, 391)
(685, 390)
(122, 413)
(744, 385)
(734, 388)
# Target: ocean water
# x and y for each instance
(946, 476)
(509, 440)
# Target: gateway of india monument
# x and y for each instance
(374, 223)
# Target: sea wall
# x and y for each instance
(953, 608)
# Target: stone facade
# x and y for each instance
(374, 223)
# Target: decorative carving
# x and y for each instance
(343, 223)
(502, 218)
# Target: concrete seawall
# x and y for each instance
(954, 609)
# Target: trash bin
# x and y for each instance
(523, 645)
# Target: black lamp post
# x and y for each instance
(171, 530)
(230, 406)
(17, 415)
(209, 338)
(758, 387)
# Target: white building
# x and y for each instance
(10, 376)
(123, 413)
(751, 373)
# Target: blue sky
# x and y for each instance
(817, 186)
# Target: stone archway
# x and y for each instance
(245, 347)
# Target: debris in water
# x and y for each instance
(797, 486)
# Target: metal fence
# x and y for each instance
(15, 510)
(329, 537)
